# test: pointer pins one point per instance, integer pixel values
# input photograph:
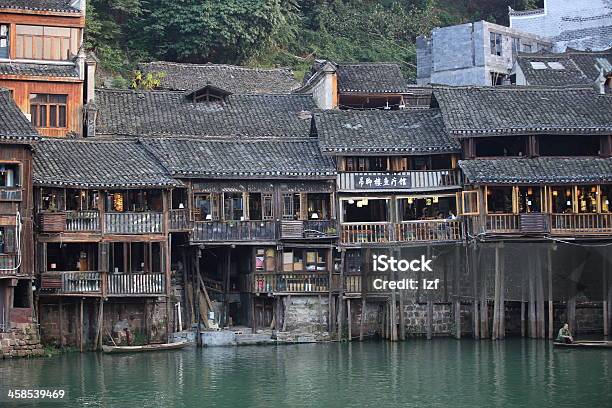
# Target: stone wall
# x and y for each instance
(149, 325)
(305, 314)
(22, 339)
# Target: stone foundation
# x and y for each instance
(22, 339)
(304, 314)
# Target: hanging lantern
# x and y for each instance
(118, 202)
(530, 191)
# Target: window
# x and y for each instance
(80, 200)
(291, 206)
(52, 199)
(496, 44)
(318, 206)
(606, 197)
(470, 202)
(7, 240)
(500, 146)
(48, 110)
(206, 207)
(4, 41)
(265, 260)
(586, 145)
(529, 199)
(46, 43)
(10, 175)
(527, 48)
(562, 200)
(365, 210)
(299, 260)
(233, 207)
(427, 208)
(134, 201)
(499, 200)
(587, 199)
(260, 206)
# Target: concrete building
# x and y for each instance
(581, 25)
(477, 53)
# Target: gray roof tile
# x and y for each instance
(375, 77)
(379, 131)
(235, 79)
(540, 170)
(489, 111)
(39, 5)
(14, 126)
(53, 70)
(97, 164)
(170, 113)
(196, 158)
(578, 67)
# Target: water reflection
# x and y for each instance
(415, 373)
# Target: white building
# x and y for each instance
(577, 24)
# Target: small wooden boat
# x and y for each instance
(585, 344)
(146, 347)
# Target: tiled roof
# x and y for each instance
(53, 70)
(379, 131)
(14, 126)
(97, 164)
(563, 69)
(235, 79)
(540, 170)
(590, 38)
(170, 113)
(375, 77)
(489, 111)
(194, 158)
(40, 5)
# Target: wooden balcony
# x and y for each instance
(543, 224)
(581, 224)
(405, 180)
(367, 233)
(136, 284)
(8, 262)
(307, 282)
(82, 221)
(133, 223)
(408, 231)
(11, 193)
(96, 283)
(224, 231)
(73, 282)
(179, 220)
(311, 229)
(433, 230)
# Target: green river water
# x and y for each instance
(416, 373)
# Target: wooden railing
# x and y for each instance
(352, 284)
(408, 231)
(8, 262)
(73, 282)
(179, 219)
(309, 229)
(290, 282)
(204, 231)
(82, 221)
(136, 284)
(502, 223)
(587, 224)
(133, 223)
(367, 232)
(403, 180)
(10, 194)
(433, 230)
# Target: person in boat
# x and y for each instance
(565, 336)
(128, 336)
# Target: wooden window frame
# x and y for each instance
(35, 116)
(464, 195)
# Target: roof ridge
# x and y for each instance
(572, 87)
(212, 64)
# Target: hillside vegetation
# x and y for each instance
(272, 32)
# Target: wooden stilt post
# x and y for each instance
(540, 298)
(609, 301)
(195, 287)
(531, 305)
(402, 317)
(474, 272)
(100, 331)
(551, 330)
(604, 302)
(484, 309)
(226, 289)
(320, 312)
(523, 325)
(502, 294)
(393, 307)
(340, 315)
(457, 292)
(348, 319)
(81, 326)
(429, 319)
(496, 299)
(363, 317)
(61, 322)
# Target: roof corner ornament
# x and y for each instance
(600, 82)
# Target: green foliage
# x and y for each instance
(147, 81)
(273, 32)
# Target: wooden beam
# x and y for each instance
(81, 326)
(532, 299)
(348, 318)
(363, 317)
(540, 297)
(474, 272)
(604, 273)
(484, 309)
(551, 330)
(61, 322)
(429, 319)
(496, 300)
